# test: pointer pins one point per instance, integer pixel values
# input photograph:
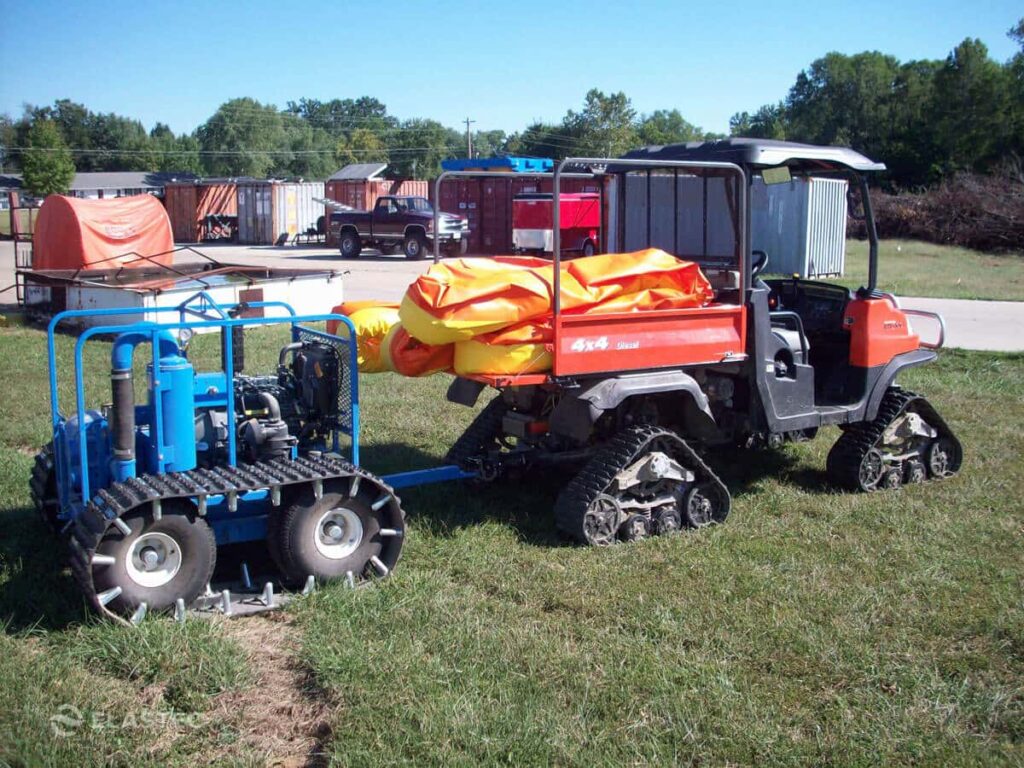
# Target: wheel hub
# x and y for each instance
(871, 469)
(339, 532)
(154, 560)
(602, 520)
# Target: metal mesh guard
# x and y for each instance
(345, 373)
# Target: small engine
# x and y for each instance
(274, 415)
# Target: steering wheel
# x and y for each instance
(760, 261)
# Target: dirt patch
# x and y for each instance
(283, 718)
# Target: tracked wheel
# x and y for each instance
(908, 442)
(141, 559)
(353, 528)
(43, 488)
(645, 481)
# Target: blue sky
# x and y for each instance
(502, 64)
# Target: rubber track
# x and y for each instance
(844, 460)
(123, 498)
(43, 474)
(486, 426)
(620, 452)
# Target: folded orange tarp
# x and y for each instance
(403, 354)
(372, 321)
(464, 298)
(72, 233)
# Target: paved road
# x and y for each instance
(989, 325)
(984, 325)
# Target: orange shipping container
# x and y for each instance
(188, 204)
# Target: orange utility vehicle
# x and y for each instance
(633, 399)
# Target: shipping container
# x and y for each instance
(801, 225)
(362, 194)
(190, 203)
(272, 212)
(486, 202)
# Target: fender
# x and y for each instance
(575, 414)
(888, 374)
(415, 229)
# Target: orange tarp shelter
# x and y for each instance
(72, 233)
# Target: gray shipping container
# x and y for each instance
(801, 225)
(269, 211)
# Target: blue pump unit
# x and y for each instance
(215, 457)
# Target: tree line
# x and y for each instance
(925, 119)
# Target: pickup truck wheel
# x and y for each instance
(455, 248)
(350, 245)
(415, 247)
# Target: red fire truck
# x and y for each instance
(580, 223)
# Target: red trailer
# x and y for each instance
(580, 222)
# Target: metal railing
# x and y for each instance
(741, 220)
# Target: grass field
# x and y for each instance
(913, 268)
(813, 628)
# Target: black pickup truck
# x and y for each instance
(406, 222)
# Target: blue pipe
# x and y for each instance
(122, 387)
(124, 348)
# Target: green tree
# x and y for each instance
(312, 150)
(843, 100)
(970, 105)
(47, 166)
(175, 153)
(769, 122)
(416, 151)
(1016, 84)
(8, 139)
(664, 126)
(542, 140)
(341, 117)
(361, 146)
(244, 138)
(604, 127)
(119, 144)
(489, 143)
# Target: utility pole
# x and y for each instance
(469, 138)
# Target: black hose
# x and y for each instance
(122, 415)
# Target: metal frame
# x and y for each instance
(201, 309)
(741, 218)
(493, 175)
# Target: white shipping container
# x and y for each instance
(272, 211)
(801, 225)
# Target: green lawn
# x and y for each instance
(913, 268)
(813, 628)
